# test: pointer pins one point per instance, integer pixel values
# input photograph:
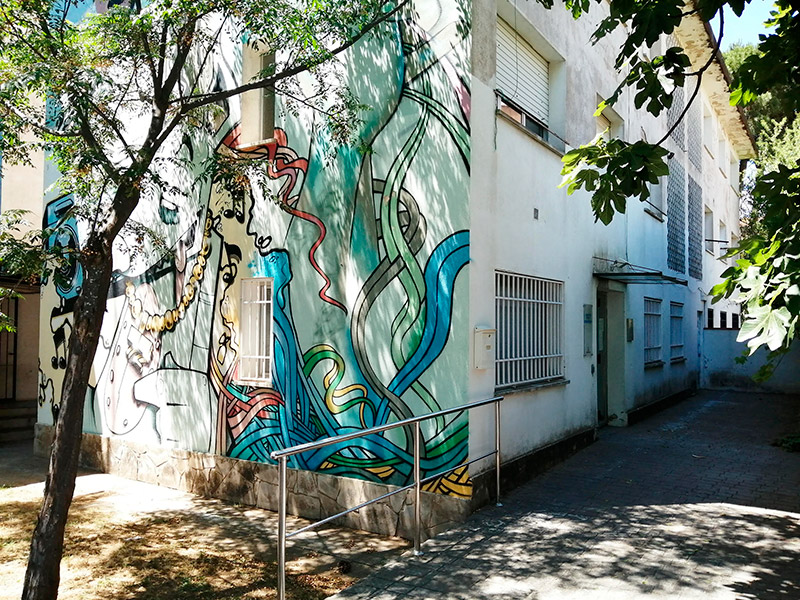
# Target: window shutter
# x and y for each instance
(523, 75)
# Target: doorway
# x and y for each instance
(611, 336)
(8, 353)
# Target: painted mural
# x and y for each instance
(366, 247)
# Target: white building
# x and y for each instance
(594, 323)
(436, 263)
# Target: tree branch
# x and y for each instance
(193, 102)
(699, 75)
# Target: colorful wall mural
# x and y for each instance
(366, 246)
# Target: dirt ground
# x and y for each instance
(130, 540)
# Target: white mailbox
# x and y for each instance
(484, 344)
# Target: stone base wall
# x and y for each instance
(311, 495)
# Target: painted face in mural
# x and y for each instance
(132, 355)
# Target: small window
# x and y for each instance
(708, 227)
(676, 331)
(530, 332)
(709, 131)
(652, 331)
(523, 75)
(710, 322)
(258, 106)
(734, 173)
(723, 238)
(735, 320)
(255, 362)
(723, 320)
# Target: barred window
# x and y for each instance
(652, 330)
(530, 332)
(676, 331)
(256, 331)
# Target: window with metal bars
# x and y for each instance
(255, 360)
(676, 331)
(529, 314)
(652, 331)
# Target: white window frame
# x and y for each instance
(256, 331)
(708, 229)
(652, 331)
(257, 125)
(676, 338)
(529, 313)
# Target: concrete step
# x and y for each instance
(9, 423)
(17, 409)
(15, 435)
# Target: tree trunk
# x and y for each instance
(43, 574)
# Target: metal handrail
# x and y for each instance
(282, 457)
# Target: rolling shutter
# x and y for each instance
(523, 75)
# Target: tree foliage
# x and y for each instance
(766, 276)
(108, 94)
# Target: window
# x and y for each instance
(523, 75)
(523, 79)
(723, 320)
(722, 156)
(734, 244)
(255, 361)
(652, 331)
(674, 116)
(710, 322)
(735, 320)
(676, 331)
(258, 106)
(734, 173)
(603, 127)
(695, 218)
(723, 238)
(530, 333)
(694, 135)
(708, 227)
(709, 131)
(676, 217)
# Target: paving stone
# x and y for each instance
(694, 503)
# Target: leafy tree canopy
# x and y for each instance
(766, 278)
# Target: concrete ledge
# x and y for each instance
(311, 495)
(521, 469)
(640, 413)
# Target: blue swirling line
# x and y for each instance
(286, 429)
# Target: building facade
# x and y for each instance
(434, 264)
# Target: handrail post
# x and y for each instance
(497, 450)
(282, 527)
(417, 490)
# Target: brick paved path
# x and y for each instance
(691, 503)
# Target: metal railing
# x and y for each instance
(282, 457)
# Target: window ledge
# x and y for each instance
(654, 364)
(527, 387)
(677, 359)
(530, 134)
(652, 212)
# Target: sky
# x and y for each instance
(747, 27)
